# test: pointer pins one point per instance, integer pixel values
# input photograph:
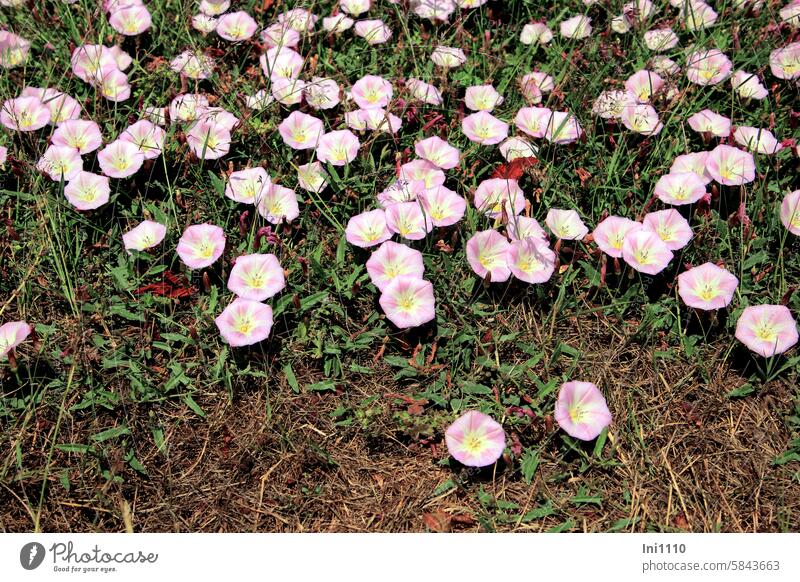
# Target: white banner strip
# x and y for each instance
(406, 557)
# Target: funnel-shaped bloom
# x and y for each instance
(368, 229)
(487, 253)
(280, 34)
(423, 171)
(355, 7)
(288, 91)
(24, 114)
(209, 140)
(192, 65)
(13, 49)
(443, 206)
(187, 107)
(87, 191)
(483, 128)
(790, 212)
(408, 301)
(60, 162)
(204, 23)
(562, 128)
(757, 140)
(338, 147)
(644, 84)
(113, 84)
(438, 152)
(120, 159)
(611, 104)
(448, 57)
(245, 322)
(482, 98)
(12, 334)
(533, 121)
(373, 31)
(201, 245)
(256, 277)
(730, 166)
(708, 67)
(400, 191)
(145, 235)
(707, 287)
(517, 147)
(522, 227)
(707, 121)
(610, 234)
(81, 134)
(494, 195)
(678, 189)
(424, 92)
(214, 7)
(392, 260)
(536, 33)
(646, 252)
(281, 63)
(312, 177)
(785, 62)
(301, 131)
(531, 260)
(565, 224)
(767, 330)
(130, 20)
(322, 93)
(475, 439)
(670, 226)
(581, 410)
(660, 39)
(278, 204)
(371, 91)
(248, 186)
(576, 27)
(62, 106)
(408, 220)
(642, 118)
(236, 26)
(748, 85)
(146, 136)
(694, 162)
(337, 23)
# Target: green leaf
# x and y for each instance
(189, 401)
(322, 386)
(111, 433)
(291, 379)
(529, 464)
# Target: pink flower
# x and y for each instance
(187, 107)
(708, 67)
(610, 234)
(218, 116)
(487, 254)
(757, 139)
(337, 23)
(424, 92)
(87, 61)
(494, 195)
(448, 57)
(565, 224)
(483, 128)
(214, 7)
(392, 260)
(130, 20)
(146, 136)
(288, 91)
(522, 227)
(531, 260)
(785, 62)
(280, 34)
(660, 39)
(236, 26)
(209, 140)
(355, 7)
(12, 334)
(120, 159)
(748, 85)
(60, 162)
(62, 106)
(312, 177)
(371, 91)
(408, 220)
(322, 93)
(577, 27)
(517, 147)
(707, 287)
(13, 49)
(536, 33)
(646, 252)
(642, 118)
(281, 63)
(377, 119)
(730, 166)
(278, 204)
(678, 189)
(373, 31)
(201, 245)
(611, 104)
(368, 229)
(87, 191)
(443, 206)
(24, 114)
(400, 191)
(670, 226)
(790, 212)
(694, 162)
(193, 65)
(475, 439)
(644, 84)
(145, 235)
(533, 121)
(338, 148)
(581, 410)
(301, 131)
(563, 128)
(81, 134)
(707, 121)
(767, 330)
(482, 98)
(543, 81)
(256, 277)
(424, 171)
(408, 301)
(248, 186)
(245, 322)
(438, 152)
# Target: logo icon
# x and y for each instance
(31, 555)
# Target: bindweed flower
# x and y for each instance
(380, 120)
(245, 322)
(281, 63)
(236, 26)
(678, 189)
(201, 245)
(646, 252)
(664, 65)
(256, 277)
(209, 140)
(438, 152)
(443, 206)
(621, 24)
(610, 233)
(338, 148)
(707, 121)
(299, 19)
(145, 235)
(130, 20)
(301, 131)
(80, 134)
(576, 27)
(368, 229)
(483, 128)
(707, 287)
(337, 23)
(259, 100)
(533, 121)
(670, 226)
(248, 186)
(433, 10)
(204, 23)
(790, 212)
(644, 84)
(487, 254)
(611, 104)
(730, 166)
(87, 191)
(496, 196)
(192, 65)
(280, 34)
(408, 220)
(146, 136)
(522, 227)
(694, 162)
(531, 260)
(24, 114)
(757, 140)
(187, 107)
(408, 301)
(790, 14)
(400, 191)
(13, 50)
(62, 106)
(767, 330)
(113, 84)
(12, 334)
(448, 57)
(373, 31)
(748, 86)
(288, 91)
(642, 118)
(562, 128)
(424, 92)
(355, 7)
(475, 439)
(120, 159)
(214, 7)
(278, 204)
(536, 33)
(697, 15)
(87, 61)
(660, 39)
(708, 67)
(581, 410)
(218, 116)
(424, 171)
(312, 177)
(392, 260)
(785, 62)
(517, 147)
(60, 162)
(482, 98)
(566, 224)
(322, 93)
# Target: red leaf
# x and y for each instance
(514, 169)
